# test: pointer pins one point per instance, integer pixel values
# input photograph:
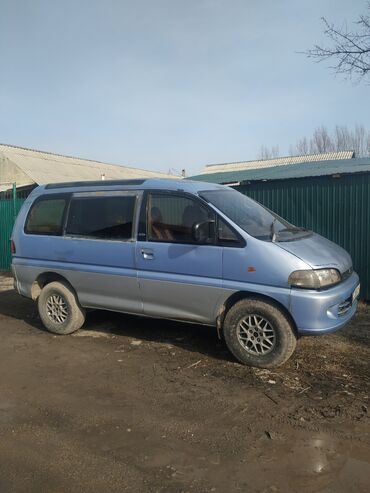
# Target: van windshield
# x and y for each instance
(251, 216)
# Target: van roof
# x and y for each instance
(140, 184)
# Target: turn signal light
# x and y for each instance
(12, 247)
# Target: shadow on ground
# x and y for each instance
(192, 337)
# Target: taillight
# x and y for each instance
(12, 247)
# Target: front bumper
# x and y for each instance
(321, 312)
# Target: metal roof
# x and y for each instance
(45, 167)
(300, 170)
(280, 161)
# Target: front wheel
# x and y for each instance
(259, 334)
(59, 309)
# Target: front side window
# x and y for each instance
(46, 216)
(102, 217)
(226, 235)
(170, 218)
(253, 217)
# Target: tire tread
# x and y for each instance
(286, 343)
(77, 314)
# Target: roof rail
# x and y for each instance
(100, 183)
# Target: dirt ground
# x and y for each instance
(137, 405)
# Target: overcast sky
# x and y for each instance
(164, 84)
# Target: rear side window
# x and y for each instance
(109, 217)
(46, 216)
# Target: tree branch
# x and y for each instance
(350, 50)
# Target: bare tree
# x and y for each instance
(350, 50)
(268, 153)
(342, 139)
(321, 141)
(302, 147)
(359, 140)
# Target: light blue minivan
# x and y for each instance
(181, 250)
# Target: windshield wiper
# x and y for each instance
(274, 235)
(293, 229)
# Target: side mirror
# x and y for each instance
(204, 232)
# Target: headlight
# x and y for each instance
(314, 279)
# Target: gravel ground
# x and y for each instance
(138, 405)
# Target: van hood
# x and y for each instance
(318, 252)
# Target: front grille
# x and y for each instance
(344, 307)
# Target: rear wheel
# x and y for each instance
(259, 334)
(59, 309)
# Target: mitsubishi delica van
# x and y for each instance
(181, 250)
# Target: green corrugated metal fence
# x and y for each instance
(9, 208)
(337, 208)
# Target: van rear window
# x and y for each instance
(109, 218)
(46, 216)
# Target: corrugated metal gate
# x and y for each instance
(10, 204)
(337, 208)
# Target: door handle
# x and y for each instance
(147, 254)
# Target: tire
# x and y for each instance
(259, 334)
(59, 309)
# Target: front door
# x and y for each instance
(179, 278)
